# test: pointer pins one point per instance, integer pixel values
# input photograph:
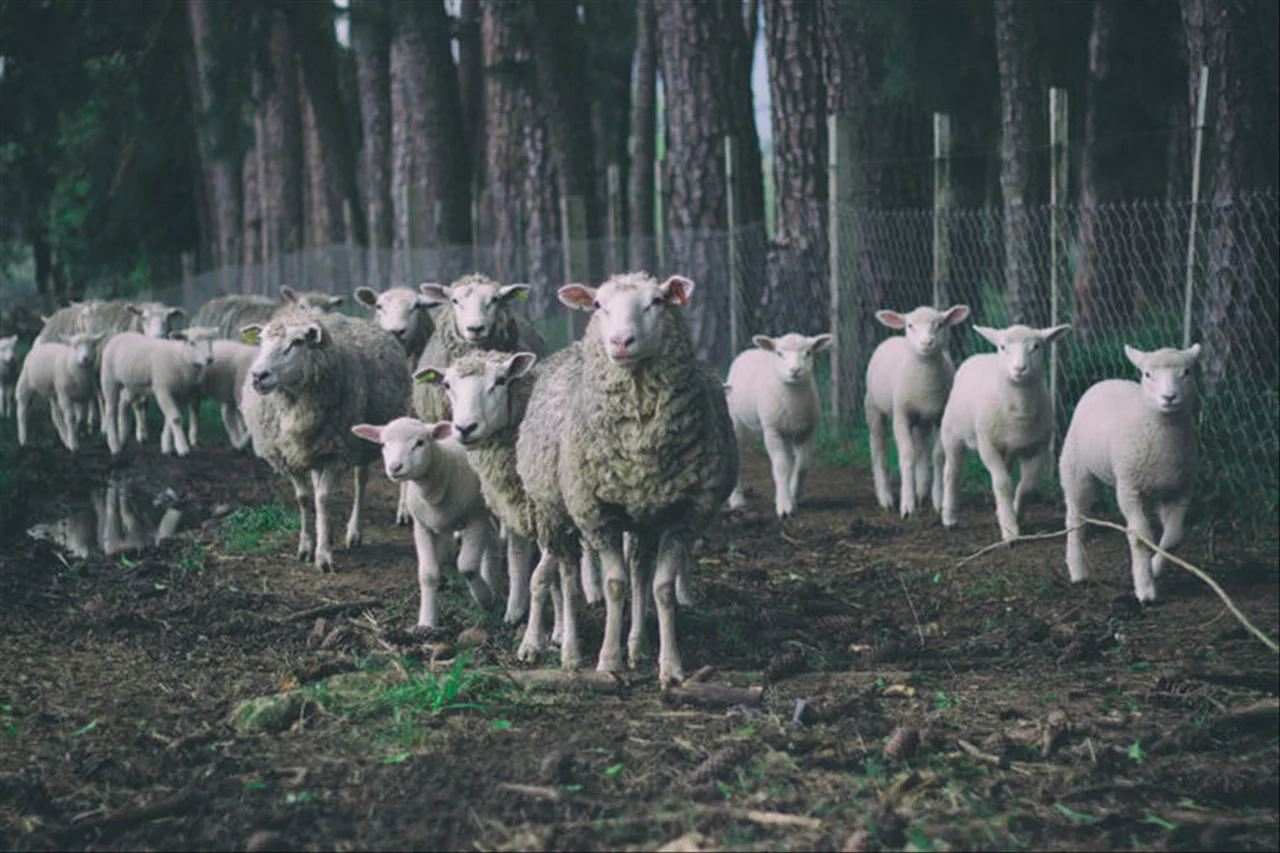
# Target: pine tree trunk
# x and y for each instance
(644, 125)
(706, 72)
(284, 152)
(471, 85)
(1021, 122)
(797, 264)
(402, 141)
(371, 44)
(609, 30)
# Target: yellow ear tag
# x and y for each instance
(524, 294)
(428, 376)
(250, 336)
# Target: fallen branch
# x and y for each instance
(561, 679)
(126, 817)
(712, 695)
(1005, 543)
(330, 610)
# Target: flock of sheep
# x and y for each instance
(609, 458)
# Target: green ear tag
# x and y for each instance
(250, 336)
(524, 294)
(427, 376)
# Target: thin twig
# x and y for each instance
(914, 616)
(1005, 543)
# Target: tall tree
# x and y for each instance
(282, 122)
(609, 31)
(797, 262)
(371, 43)
(706, 74)
(444, 133)
(644, 126)
(471, 84)
(1021, 123)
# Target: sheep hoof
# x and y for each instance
(886, 502)
(515, 612)
(324, 562)
(528, 651)
(403, 519)
(355, 540)
(610, 662)
(670, 676)
(737, 501)
(908, 511)
(570, 659)
(637, 655)
(305, 554)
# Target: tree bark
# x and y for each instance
(706, 73)
(371, 44)
(644, 125)
(1021, 122)
(471, 84)
(283, 124)
(797, 262)
(610, 30)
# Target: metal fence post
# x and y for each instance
(1057, 231)
(731, 199)
(573, 237)
(942, 204)
(844, 318)
(1202, 97)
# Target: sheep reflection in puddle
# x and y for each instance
(113, 519)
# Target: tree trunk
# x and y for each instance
(609, 30)
(371, 44)
(1097, 293)
(706, 66)
(471, 84)
(284, 151)
(644, 125)
(797, 264)
(402, 152)
(1021, 122)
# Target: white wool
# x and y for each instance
(63, 374)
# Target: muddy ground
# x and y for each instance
(981, 705)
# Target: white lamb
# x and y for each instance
(134, 366)
(9, 369)
(1000, 406)
(223, 381)
(772, 390)
(63, 375)
(1141, 439)
(444, 496)
(908, 380)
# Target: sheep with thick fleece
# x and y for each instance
(444, 496)
(908, 380)
(313, 302)
(1000, 406)
(314, 379)
(473, 313)
(222, 380)
(230, 314)
(1140, 438)
(10, 366)
(772, 391)
(135, 366)
(63, 374)
(629, 434)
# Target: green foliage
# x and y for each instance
(254, 530)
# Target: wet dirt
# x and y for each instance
(987, 704)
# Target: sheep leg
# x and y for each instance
(1029, 478)
(519, 553)
(643, 551)
(539, 588)
(493, 565)
(904, 439)
(1135, 518)
(139, 407)
(920, 441)
(570, 648)
(479, 544)
(557, 607)
(23, 395)
(402, 507)
(589, 572)
(1002, 486)
(803, 451)
(230, 422)
(323, 482)
(782, 461)
(60, 414)
(684, 589)
(879, 458)
(673, 552)
(425, 544)
(953, 452)
(173, 422)
(1079, 493)
(615, 593)
(243, 430)
(193, 423)
(166, 439)
(1172, 515)
(736, 499)
(939, 460)
(355, 524)
(302, 492)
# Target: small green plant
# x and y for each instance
(192, 559)
(253, 530)
(1136, 752)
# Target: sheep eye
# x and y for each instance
(420, 443)
(454, 301)
(499, 382)
(444, 385)
(595, 303)
(1146, 374)
(1032, 348)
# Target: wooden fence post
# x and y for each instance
(573, 237)
(842, 253)
(1058, 233)
(943, 201)
(1202, 97)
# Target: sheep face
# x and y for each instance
(630, 312)
(399, 310)
(1021, 349)
(480, 400)
(282, 354)
(1167, 384)
(158, 320)
(795, 354)
(199, 344)
(926, 329)
(84, 348)
(477, 305)
(407, 445)
(314, 303)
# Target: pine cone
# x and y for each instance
(721, 761)
(789, 662)
(902, 744)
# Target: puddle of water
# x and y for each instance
(115, 518)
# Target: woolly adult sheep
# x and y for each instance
(10, 365)
(772, 390)
(908, 380)
(63, 374)
(230, 314)
(1000, 406)
(474, 312)
(313, 302)
(314, 379)
(630, 434)
(135, 367)
(1139, 437)
(444, 496)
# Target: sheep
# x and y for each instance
(402, 312)
(223, 380)
(444, 496)
(230, 314)
(628, 433)
(1000, 406)
(1139, 438)
(168, 369)
(908, 380)
(474, 312)
(773, 391)
(314, 379)
(314, 302)
(10, 365)
(63, 374)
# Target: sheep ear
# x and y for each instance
(175, 312)
(577, 296)
(1192, 352)
(366, 296)
(677, 289)
(429, 376)
(425, 302)
(1136, 356)
(431, 290)
(764, 342)
(288, 293)
(993, 335)
(368, 432)
(314, 334)
(178, 336)
(1051, 335)
(518, 291)
(892, 319)
(820, 342)
(956, 314)
(441, 431)
(249, 334)
(335, 301)
(133, 309)
(519, 364)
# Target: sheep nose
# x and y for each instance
(621, 342)
(399, 333)
(465, 432)
(1169, 399)
(397, 469)
(475, 330)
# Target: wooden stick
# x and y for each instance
(330, 610)
(713, 695)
